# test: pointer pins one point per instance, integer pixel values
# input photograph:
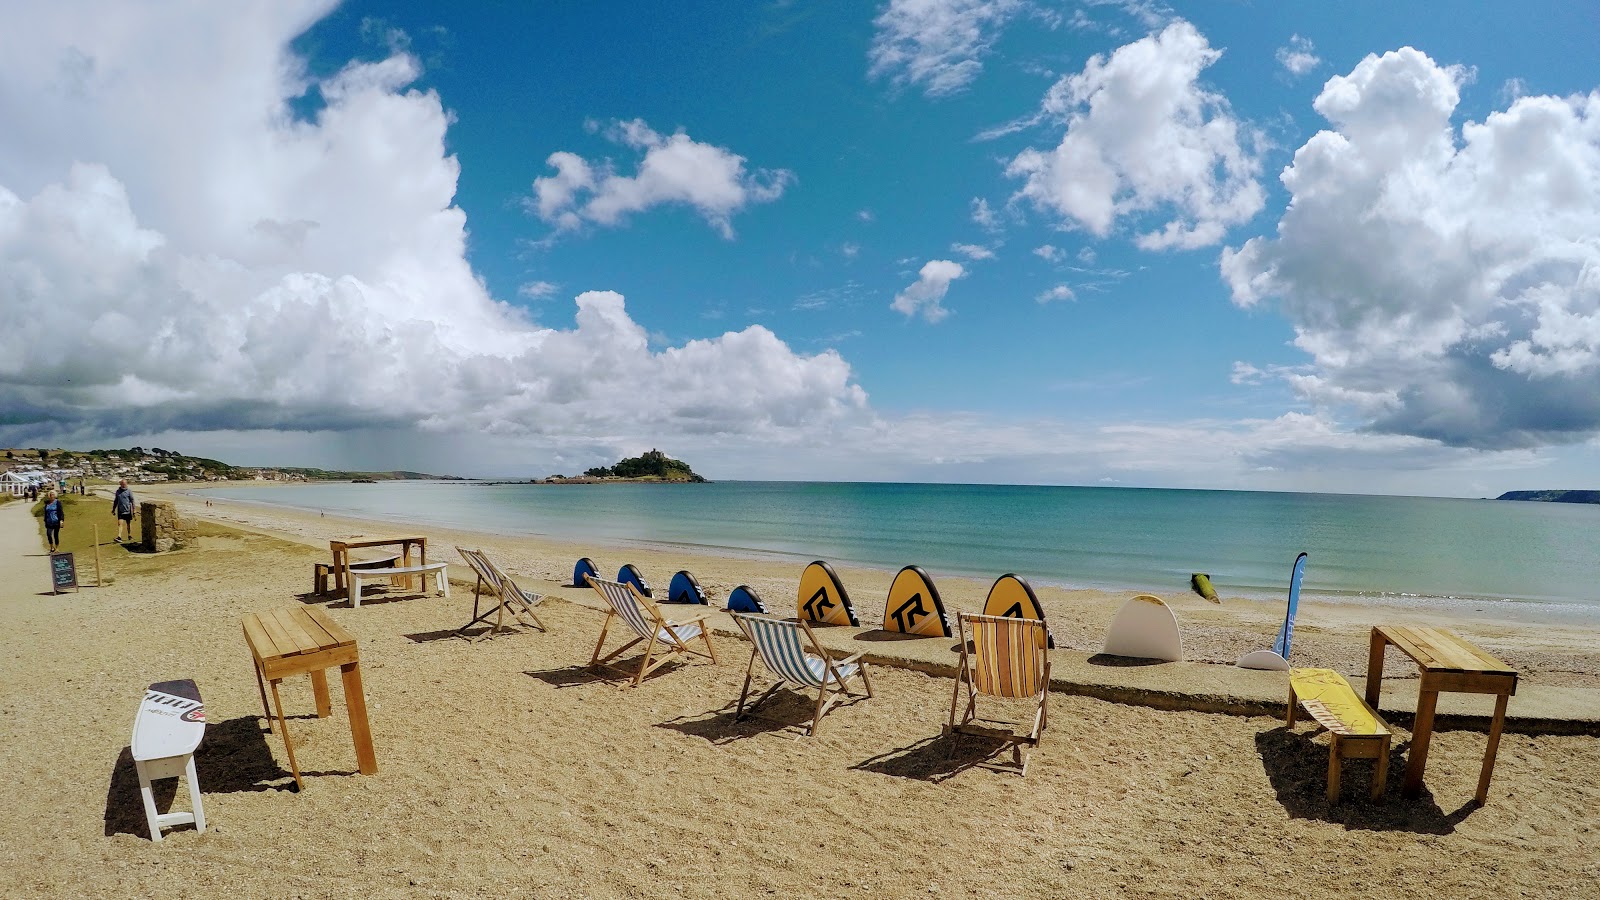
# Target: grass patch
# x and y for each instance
(83, 513)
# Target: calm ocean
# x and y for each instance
(1116, 538)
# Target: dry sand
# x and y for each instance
(507, 769)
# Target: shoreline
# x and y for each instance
(1512, 610)
(1330, 633)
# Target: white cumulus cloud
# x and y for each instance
(1299, 56)
(1445, 282)
(1144, 138)
(674, 169)
(937, 44)
(925, 296)
(972, 251)
(180, 252)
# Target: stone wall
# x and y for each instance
(159, 527)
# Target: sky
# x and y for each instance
(1238, 245)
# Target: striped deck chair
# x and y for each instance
(781, 644)
(663, 639)
(508, 596)
(1008, 659)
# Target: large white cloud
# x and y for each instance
(1445, 283)
(1144, 137)
(674, 169)
(937, 44)
(179, 251)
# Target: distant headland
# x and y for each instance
(652, 467)
(142, 465)
(1553, 496)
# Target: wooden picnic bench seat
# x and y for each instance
(320, 572)
(437, 570)
(1356, 730)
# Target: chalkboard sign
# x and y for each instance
(63, 571)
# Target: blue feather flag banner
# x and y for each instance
(1286, 634)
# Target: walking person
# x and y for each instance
(122, 505)
(55, 515)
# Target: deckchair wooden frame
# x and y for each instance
(507, 595)
(968, 720)
(834, 684)
(671, 646)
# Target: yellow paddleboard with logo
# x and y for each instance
(1013, 597)
(822, 597)
(914, 606)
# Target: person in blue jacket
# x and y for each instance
(54, 517)
(122, 505)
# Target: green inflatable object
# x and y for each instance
(1201, 582)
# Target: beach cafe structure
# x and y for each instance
(17, 483)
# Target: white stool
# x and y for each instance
(166, 732)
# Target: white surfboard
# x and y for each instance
(1265, 660)
(171, 721)
(1144, 628)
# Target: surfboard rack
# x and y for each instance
(685, 588)
(823, 598)
(1013, 597)
(1144, 628)
(745, 599)
(913, 605)
(630, 574)
(584, 567)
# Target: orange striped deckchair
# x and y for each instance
(1007, 659)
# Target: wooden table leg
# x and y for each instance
(1375, 668)
(1421, 734)
(288, 745)
(355, 701)
(266, 711)
(341, 571)
(1494, 747)
(319, 690)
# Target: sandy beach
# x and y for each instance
(508, 769)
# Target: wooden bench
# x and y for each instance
(441, 579)
(1357, 731)
(321, 571)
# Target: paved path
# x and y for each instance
(22, 552)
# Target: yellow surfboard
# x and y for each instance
(1012, 596)
(914, 606)
(1332, 702)
(823, 598)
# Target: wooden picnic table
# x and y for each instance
(302, 640)
(1447, 663)
(341, 557)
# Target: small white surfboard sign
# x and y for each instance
(1264, 660)
(171, 721)
(1144, 628)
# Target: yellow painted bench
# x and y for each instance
(1356, 730)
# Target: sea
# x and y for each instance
(1422, 550)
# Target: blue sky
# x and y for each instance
(949, 240)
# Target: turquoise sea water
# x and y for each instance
(1116, 538)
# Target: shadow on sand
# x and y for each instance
(1297, 766)
(233, 757)
(937, 758)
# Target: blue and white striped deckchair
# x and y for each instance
(781, 644)
(508, 596)
(643, 617)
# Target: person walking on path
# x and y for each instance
(122, 505)
(55, 515)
